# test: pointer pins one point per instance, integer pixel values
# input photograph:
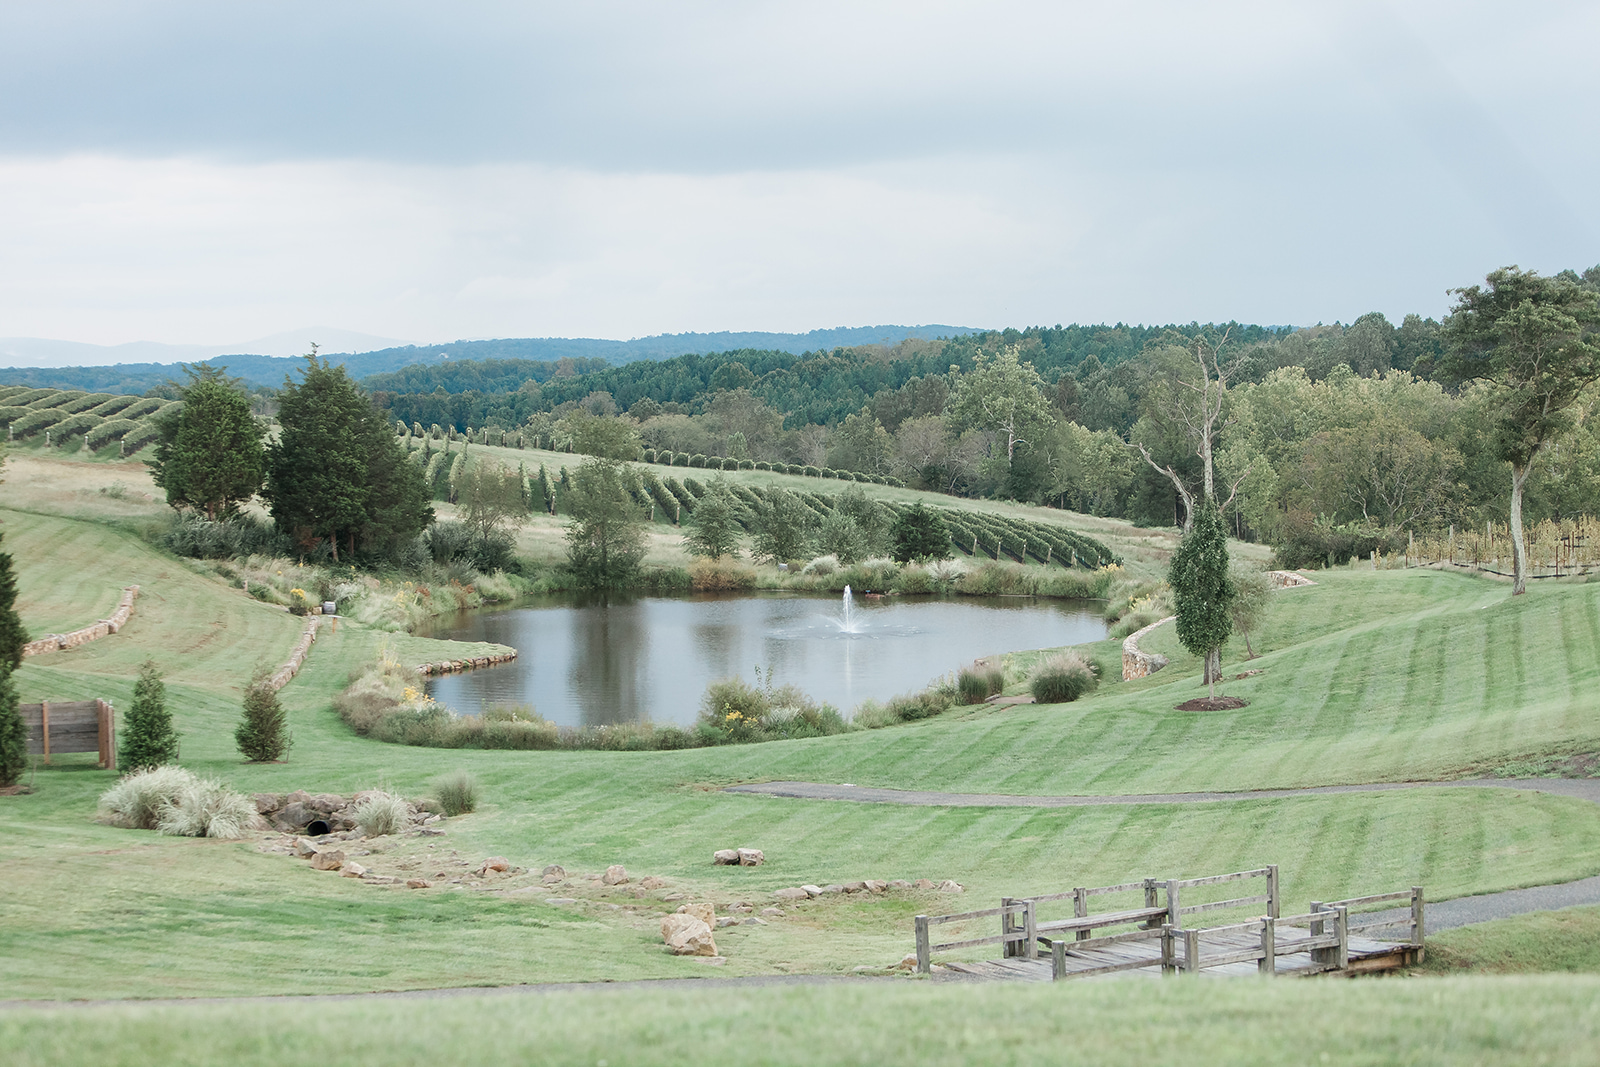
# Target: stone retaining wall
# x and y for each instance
(1137, 663)
(285, 674)
(451, 666)
(59, 642)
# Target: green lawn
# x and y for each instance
(1543, 941)
(1385, 675)
(1458, 1022)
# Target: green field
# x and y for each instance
(1446, 1022)
(1368, 676)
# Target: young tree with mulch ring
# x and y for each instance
(148, 739)
(1202, 590)
(263, 733)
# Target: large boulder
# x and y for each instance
(686, 935)
(751, 857)
(616, 874)
(725, 857)
(330, 860)
(706, 913)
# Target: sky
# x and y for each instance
(196, 173)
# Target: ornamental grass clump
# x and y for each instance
(979, 682)
(1062, 678)
(379, 814)
(457, 793)
(176, 802)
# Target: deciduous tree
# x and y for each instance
(1533, 340)
(605, 540)
(713, 526)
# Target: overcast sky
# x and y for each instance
(209, 172)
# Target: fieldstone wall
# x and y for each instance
(285, 674)
(450, 666)
(1137, 663)
(59, 642)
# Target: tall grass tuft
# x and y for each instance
(457, 793)
(178, 803)
(207, 808)
(379, 814)
(979, 682)
(135, 802)
(1062, 678)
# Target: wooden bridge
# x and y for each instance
(1149, 934)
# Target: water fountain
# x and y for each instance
(848, 622)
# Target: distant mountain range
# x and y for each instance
(49, 359)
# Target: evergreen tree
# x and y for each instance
(12, 635)
(920, 535)
(209, 454)
(1202, 590)
(714, 524)
(336, 472)
(13, 733)
(148, 739)
(263, 733)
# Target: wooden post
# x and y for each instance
(1416, 920)
(1080, 909)
(1169, 963)
(1268, 964)
(44, 728)
(1172, 904)
(1341, 926)
(924, 955)
(1030, 923)
(1191, 951)
(1318, 955)
(1272, 890)
(1008, 947)
(1058, 960)
(1150, 902)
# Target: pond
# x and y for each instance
(593, 661)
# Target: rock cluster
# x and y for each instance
(294, 812)
(738, 857)
(870, 885)
(451, 666)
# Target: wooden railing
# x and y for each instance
(1411, 899)
(1009, 931)
(1330, 924)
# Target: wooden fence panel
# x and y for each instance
(71, 726)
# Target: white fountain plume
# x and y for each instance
(849, 625)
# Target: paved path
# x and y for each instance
(1445, 915)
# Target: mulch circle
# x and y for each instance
(1219, 704)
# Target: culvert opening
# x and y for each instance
(317, 827)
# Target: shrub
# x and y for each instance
(697, 460)
(999, 579)
(148, 739)
(379, 814)
(457, 793)
(195, 536)
(979, 682)
(810, 472)
(263, 733)
(1061, 678)
(707, 575)
(821, 567)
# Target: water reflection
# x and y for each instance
(597, 661)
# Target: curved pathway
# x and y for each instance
(1445, 915)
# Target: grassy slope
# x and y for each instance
(1455, 1022)
(1542, 941)
(1343, 699)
